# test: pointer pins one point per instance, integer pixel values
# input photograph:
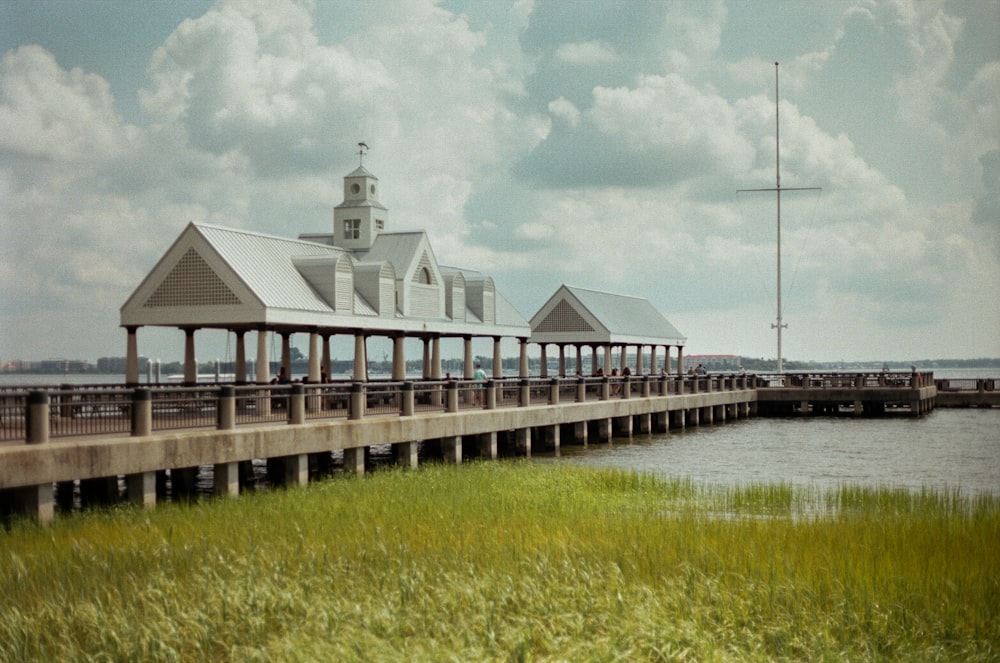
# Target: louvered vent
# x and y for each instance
(424, 274)
(563, 318)
(192, 283)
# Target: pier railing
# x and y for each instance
(827, 380)
(81, 411)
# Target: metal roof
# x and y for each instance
(263, 286)
(579, 315)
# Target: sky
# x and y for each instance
(595, 144)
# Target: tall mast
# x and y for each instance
(778, 323)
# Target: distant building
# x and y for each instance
(716, 362)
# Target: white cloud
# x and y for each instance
(586, 53)
(614, 168)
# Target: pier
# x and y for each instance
(123, 443)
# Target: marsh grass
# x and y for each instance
(512, 561)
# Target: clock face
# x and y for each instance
(355, 188)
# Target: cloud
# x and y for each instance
(586, 53)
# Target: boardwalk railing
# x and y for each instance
(141, 411)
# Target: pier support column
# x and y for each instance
(522, 441)
(405, 454)
(678, 420)
(624, 425)
(693, 417)
(226, 479)
(580, 432)
(488, 445)
(602, 429)
(354, 461)
(645, 422)
(451, 449)
(141, 489)
(550, 437)
(36, 502)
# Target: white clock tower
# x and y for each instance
(360, 218)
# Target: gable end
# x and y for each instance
(563, 318)
(192, 282)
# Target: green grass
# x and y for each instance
(512, 561)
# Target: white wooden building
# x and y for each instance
(360, 280)
(578, 317)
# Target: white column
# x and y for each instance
(398, 358)
(593, 359)
(190, 363)
(263, 360)
(638, 359)
(326, 367)
(131, 357)
(286, 354)
(497, 358)
(241, 358)
(436, 358)
(522, 363)
(652, 359)
(607, 359)
(544, 369)
(360, 358)
(579, 359)
(425, 364)
(562, 360)
(468, 370)
(314, 356)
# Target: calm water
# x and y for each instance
(947, 449)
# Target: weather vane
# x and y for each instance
(362, 151)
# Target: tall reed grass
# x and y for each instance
(512, 561)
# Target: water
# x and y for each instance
(947, 449)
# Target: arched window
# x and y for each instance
(425, 276)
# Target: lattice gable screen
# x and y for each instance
(563, 318)
(192, 282)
